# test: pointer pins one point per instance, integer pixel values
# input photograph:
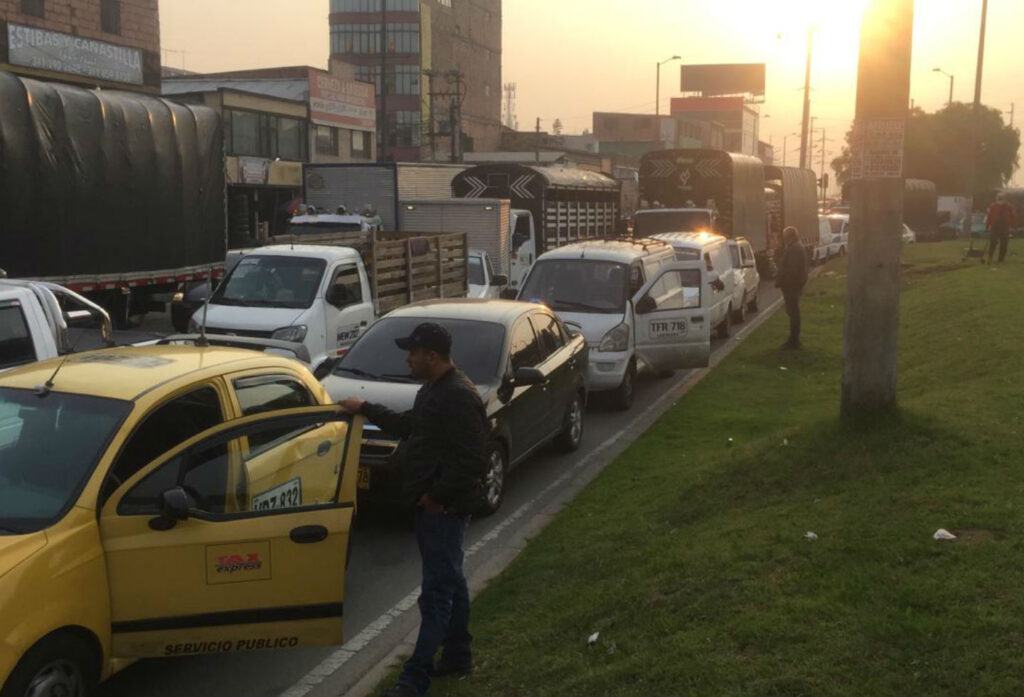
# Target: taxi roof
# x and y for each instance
(128, 372)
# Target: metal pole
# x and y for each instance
(950, 102)
(537, 141)
(823, 164)
(876, 215)
(807, 99)
(976, 121)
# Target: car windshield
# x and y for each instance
(48, 448)
(16, 345)
(578, 285)
(476, 349)
(476, 271)
(647, 223)
(272, 281)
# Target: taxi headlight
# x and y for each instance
(615, 340)
(296, 333)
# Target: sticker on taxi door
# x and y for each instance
(661, 329)
(236, 563)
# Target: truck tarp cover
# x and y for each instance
(96, 182)
(799, 200)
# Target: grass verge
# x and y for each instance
(688, 554)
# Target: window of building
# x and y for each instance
(375, 6)
(35, 8)
(403, 38)
(289, 139)
(110, 16)
(405, 128)
(355, 38)
(404, 79)
(252, 134)
(361, 145)
(326, 140)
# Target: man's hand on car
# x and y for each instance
(352, 405)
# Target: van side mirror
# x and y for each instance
(499, 281)
(646, 305)
(509, 294)
(338, 296)
(717, 283)
(174, 506)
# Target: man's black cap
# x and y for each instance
(430, 336)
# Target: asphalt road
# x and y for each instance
(383, 578)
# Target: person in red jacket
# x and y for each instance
(1000, 220)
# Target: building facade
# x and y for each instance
(441, 60)
(113, 44)
(739, 120)
(275, 120)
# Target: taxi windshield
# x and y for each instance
(48, 448)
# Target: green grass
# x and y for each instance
(688, 554)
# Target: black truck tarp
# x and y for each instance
(796, 195)
(732, 184)
(95, 182)
(921, 208)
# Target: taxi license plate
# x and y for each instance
(661, 329)
(364, 478)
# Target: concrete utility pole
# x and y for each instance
(824, 179)
(976, 120)
(876, 214)
(804, 134)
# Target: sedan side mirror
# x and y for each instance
(525, 377)
(499, 281)
(174, 506)
(646, 305)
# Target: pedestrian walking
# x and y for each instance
(444, 441)
(791, 279)
(1000, 220)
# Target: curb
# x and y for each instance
(599, 460)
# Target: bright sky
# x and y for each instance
(570, 58)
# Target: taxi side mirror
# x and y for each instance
(174, 506)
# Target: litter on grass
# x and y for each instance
(943, 534)
(592, 639)
(811, 536)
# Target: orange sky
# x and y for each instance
(572, 57)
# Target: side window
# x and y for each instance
(549, 333)
(346, 287)
(165, 428)
(636, 278)
(676, 290)
(521, 234)
(16, 346)
(707, 261)
(734, 253)
(525, 348)
(264, 393)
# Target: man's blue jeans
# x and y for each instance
(444, 597)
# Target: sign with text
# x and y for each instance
(877, 148)
(340, 102)
(29, 47)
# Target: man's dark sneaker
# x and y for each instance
(444, 667)
(400, 690)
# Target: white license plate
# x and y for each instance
(287, 495)
(661, 329)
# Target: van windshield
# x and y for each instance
(647, 223)
(272, 281)
(837, 225)
(48, 448)
(578, 285)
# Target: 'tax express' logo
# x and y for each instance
(230, 563)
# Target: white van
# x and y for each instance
(724, 281)
(638, 308)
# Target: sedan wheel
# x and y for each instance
(58, 678)
(569, 439)
(494, 482)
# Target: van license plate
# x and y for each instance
(364, 478)
(663, 329)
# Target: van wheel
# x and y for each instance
(752, 305)
(494, 481)
(623, 395)
(842, 251)
(740, 316)
(569, 439)
(61, 664)
(726, 326)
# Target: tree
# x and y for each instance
(938, 148)
(556, 127)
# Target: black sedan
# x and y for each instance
(530, 370)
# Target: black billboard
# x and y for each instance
(727, 78)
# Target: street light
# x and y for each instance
(657, 90)
(940, 70)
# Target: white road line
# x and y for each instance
(337, 660)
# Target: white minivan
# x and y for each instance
(638, 308)
(724, 281)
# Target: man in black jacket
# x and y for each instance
(792, 276)
(445, 436)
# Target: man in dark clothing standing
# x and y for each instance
(792, 277)
(445, 436)
(1000, 219)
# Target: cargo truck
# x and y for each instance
(117, 196)
(551, 207)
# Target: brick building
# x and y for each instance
(94, 43)
(433, 46)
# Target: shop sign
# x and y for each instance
(53, 51)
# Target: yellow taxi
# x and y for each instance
(166, 501)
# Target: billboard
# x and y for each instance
(728, 78)
(30, 47)
(341, 102)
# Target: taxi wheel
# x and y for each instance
(569, 439)
(494, 481)
(61, 665)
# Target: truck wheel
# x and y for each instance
(726, 326)
(60, 664)
(569, 439)
(740, 315)
(494, 481)
(623, 395)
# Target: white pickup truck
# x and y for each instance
(35, 317)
